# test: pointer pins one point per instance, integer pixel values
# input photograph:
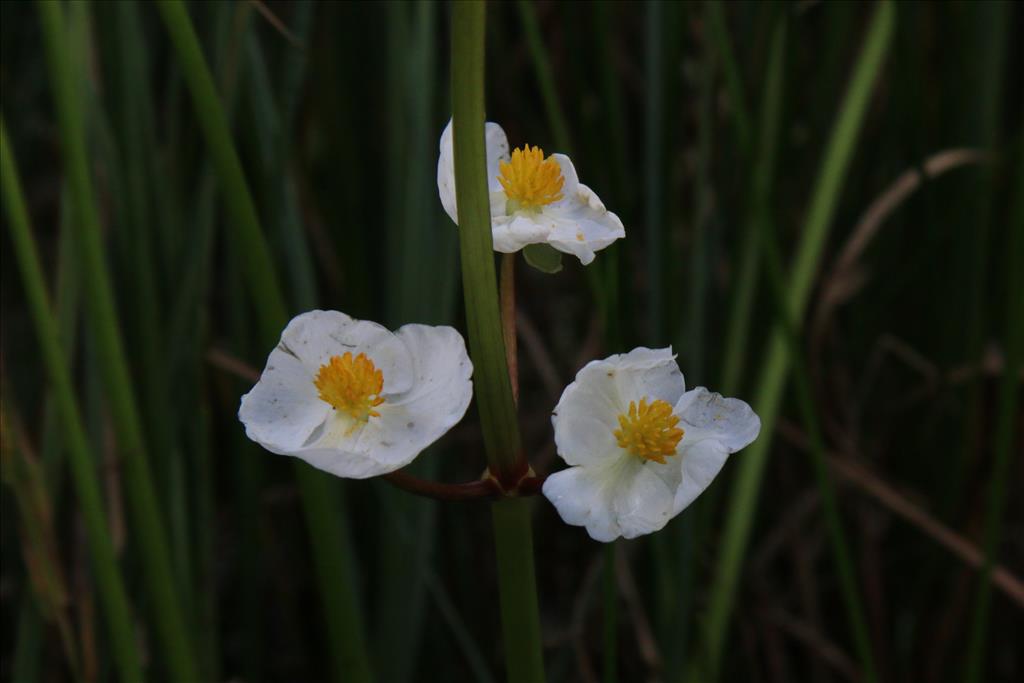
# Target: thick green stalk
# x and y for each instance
(328, 531)
(517, 587)
(490, 376)
(150, 532)
(513, 536)
(113, 596)
(743, 503)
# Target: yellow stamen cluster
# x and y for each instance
(649, 430)
(530, 180)
(352, 385)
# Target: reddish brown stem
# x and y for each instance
(507, 292)
(483, 489)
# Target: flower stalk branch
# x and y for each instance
(482, 489)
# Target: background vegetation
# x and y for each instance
(824, 206)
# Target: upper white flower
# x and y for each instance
(352, 398)
(533, 200)
(641, 447)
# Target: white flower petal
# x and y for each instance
(283, 409)
(441, 369)
(570, 182)
(582, 496)
(699, 464)
(497, 150)
(315, 337)
(650, 373)
(343, 463)
(707, 415)
(408, 422)
(580, 224)
(512, 233)
(446, 174)
(587, 415)
(623, 497)
(584, 226)
(642, 358)
(643, 503)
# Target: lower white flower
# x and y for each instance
(354, 399)
(641, 447)
(534, 200)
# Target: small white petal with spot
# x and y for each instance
(581, 223)
(284, 408)
(707, 415)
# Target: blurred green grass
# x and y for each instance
(702, 129)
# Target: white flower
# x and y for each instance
(352, 398)
(641, 447)
(533, 200)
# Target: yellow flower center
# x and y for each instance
(530, 180)
(352, 385)
(649, 430)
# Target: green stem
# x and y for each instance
(513, 535)
(328, 530)
(490, 375)
(1009, 396)
(776, 367)
(150, 531)
(113, 596)
(517, 588)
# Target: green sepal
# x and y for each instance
(543, 257)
